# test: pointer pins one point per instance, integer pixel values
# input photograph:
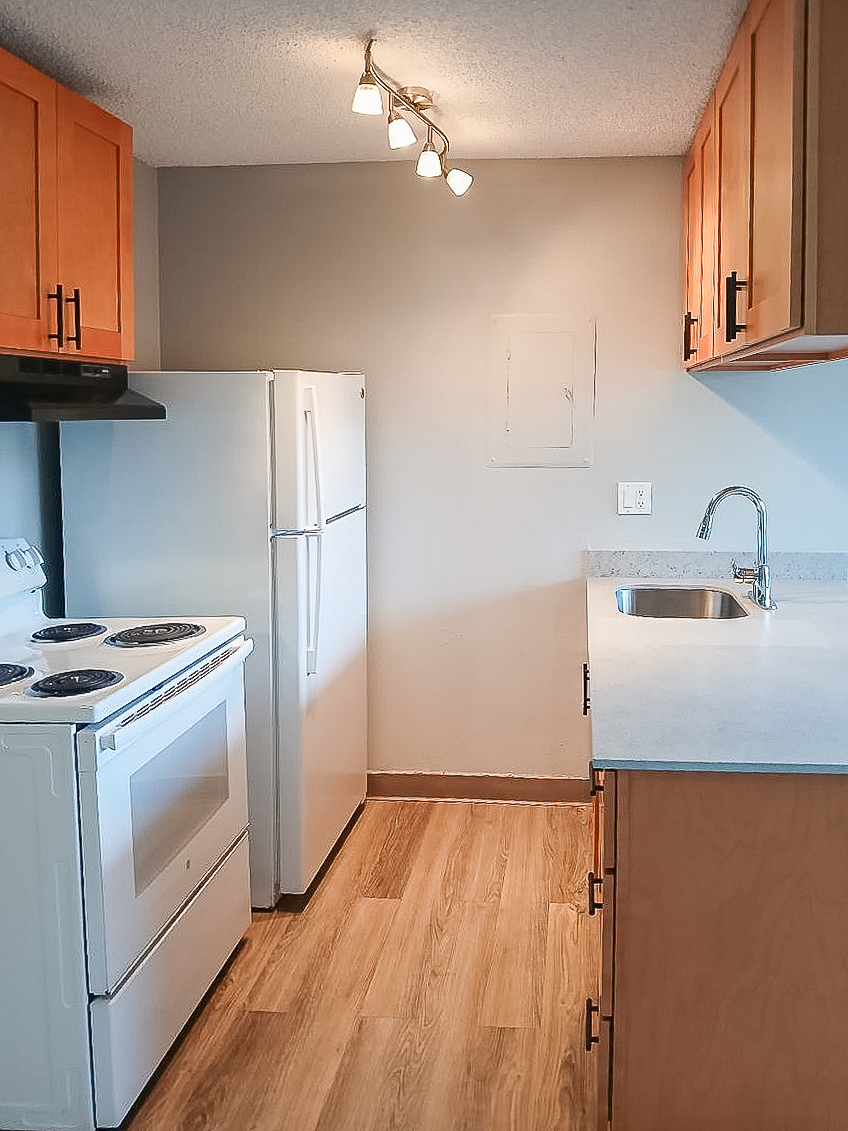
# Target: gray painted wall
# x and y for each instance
(146, 266)
(19, 500)
(477, 623)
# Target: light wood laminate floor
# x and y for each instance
(435, 981)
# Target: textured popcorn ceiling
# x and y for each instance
(236, 82)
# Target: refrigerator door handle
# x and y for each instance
(275, 532)
(313, 600)
(311, 423)
(347, 513)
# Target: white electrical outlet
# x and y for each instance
(634, 498)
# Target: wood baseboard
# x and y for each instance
(477, 787)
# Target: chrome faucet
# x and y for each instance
(759, 574)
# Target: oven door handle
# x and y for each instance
(125, 730)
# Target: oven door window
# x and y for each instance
(173, 796)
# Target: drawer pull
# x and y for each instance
(587, 701)
(58, 297)
(594, 882)
(732, 286)
(596, 784)
(591, 1038)
(689, 321)
(76, 337)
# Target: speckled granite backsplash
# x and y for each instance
(686, 563)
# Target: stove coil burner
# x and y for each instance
(62, 633)
(78, 682)
(145, 634)
(12, 673)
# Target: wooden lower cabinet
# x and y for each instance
(601, 889)
(725, 969)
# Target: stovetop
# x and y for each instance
(115, 661)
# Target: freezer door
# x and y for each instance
(319, 446)
(321, 692)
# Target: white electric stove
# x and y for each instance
(92, 667)
(123, 844)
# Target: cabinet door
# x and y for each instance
(95, 228)
(775, 44)
(731, 977)
(607, 971)
(692, 251)
(27, 205)
(732, 124)
(599, 1006)
(699, 189)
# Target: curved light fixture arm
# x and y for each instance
(396, 92)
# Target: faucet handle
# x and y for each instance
(743, 573)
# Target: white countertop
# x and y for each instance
(763, 693)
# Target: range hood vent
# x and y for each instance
(51, 388)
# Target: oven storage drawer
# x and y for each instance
(132, 1030)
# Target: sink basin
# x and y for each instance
(665, 601)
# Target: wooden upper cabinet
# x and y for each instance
(66, 284)
(27, 204)
(95, 226)
(775, 37)
(699, 186)
(778, 112)
(732, 120)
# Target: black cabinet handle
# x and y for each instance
(594, 882)
(57, 296)
(595, 784)
(732, 286)
(587, 702)
(76, 337)
(591, 1039)
(689, 351)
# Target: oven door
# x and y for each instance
(163, 796)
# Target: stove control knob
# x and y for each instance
(32, 557)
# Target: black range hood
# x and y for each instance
(54, 388)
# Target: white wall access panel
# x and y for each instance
(541, 377)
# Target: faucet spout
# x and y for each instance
(759, 575)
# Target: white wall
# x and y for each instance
(19, 503)
(146, 266)
(477, 627)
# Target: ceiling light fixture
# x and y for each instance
(432, 161)
(400, 131)
(459, 182)
(367, 98)
(429, 161)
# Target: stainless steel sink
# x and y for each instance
(665, 601)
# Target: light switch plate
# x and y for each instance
(634, 498)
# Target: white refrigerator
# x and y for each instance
(249, 498)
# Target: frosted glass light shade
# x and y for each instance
(367, 98)
(459, 181)
(401, 132)
(429, 162)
